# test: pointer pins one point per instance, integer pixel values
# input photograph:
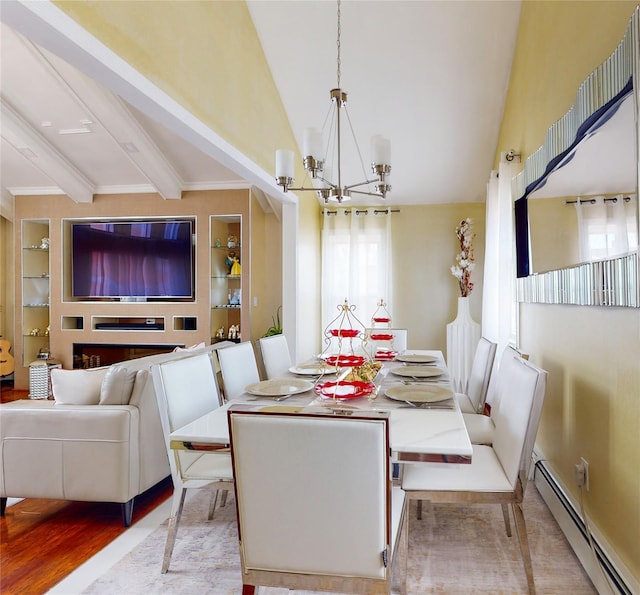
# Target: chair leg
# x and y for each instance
(521, 530)
(127, 512)
(419, 514)
(223, 501)
(505, 514)
(3, 506)
(212, 504)
(174, 520)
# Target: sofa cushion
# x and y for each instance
(77, 387)
(117, 386)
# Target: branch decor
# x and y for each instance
(465, 260)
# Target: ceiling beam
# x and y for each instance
(118, 122)
(43, 156)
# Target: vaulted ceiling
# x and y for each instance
(431, 76)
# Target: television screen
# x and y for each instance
(132, 259)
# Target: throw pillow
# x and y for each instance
(117, 386)
(77, 387)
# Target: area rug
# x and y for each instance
(452, 550)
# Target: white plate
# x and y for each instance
(416, 358)
(417, 371)
(419, 394)
(279, 387)
(313, 369)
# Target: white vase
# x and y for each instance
(463, 335)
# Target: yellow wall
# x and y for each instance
(592, 406)
(425, 291)
(207, 56)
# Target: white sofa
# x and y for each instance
(108, 451)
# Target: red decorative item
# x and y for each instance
(345, 361)
(382, 336)
(344, 389)
(386, 355)
(344, 332)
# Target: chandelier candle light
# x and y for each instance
(315, 160)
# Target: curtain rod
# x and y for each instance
(592, 201)
(363, 211)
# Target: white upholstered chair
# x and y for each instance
(498, 473)
(480, 427)
(276, 357)
(239, 368)
(186, 389)
(316, 505)
(472, 401)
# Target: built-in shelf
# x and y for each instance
(72, 323)
(121, 323)
(35, 288)
(185, 323)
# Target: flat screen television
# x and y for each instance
(143, 259)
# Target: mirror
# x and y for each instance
(602, 176)
(576, 217)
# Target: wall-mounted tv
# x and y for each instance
(142, 259)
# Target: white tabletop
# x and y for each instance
(416, 434)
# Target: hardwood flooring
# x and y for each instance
(43, 541)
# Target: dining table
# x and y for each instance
(430, 429)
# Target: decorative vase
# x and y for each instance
(463, 335)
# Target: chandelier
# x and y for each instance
(315, 159)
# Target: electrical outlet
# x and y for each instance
(582, 474)
(585, 466)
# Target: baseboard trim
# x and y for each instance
(570, 521)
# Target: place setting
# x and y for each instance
(422, 397)
(279, 388)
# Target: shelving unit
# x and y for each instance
(226, 279)
(35, 288)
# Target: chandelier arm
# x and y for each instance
(366, 182)
(355, 141)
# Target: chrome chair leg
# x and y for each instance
(521, 530)
(505, 514)
(212, 504)
(223, 500)
(174, 520)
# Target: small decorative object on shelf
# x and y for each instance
(232, 241)
(463, 333)
(44, 244)
(220, 333)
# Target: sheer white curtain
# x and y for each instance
(499, 306)
(356, 261)
(607, 227)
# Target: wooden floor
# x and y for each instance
(43, 541)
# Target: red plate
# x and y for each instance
(345, 361)
(344, 332)
(344, 389)
(386, 355)
(382, 320)
(382, 336)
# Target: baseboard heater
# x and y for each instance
(570, 521)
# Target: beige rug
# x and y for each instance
(452, 550)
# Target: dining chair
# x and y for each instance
(472, 401)
(276, 357)
(306, 522)
(497, 473)
(481, 427)
(186, 389)
(239, 368)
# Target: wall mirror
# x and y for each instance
(576, 213)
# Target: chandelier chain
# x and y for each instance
(338, 44)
